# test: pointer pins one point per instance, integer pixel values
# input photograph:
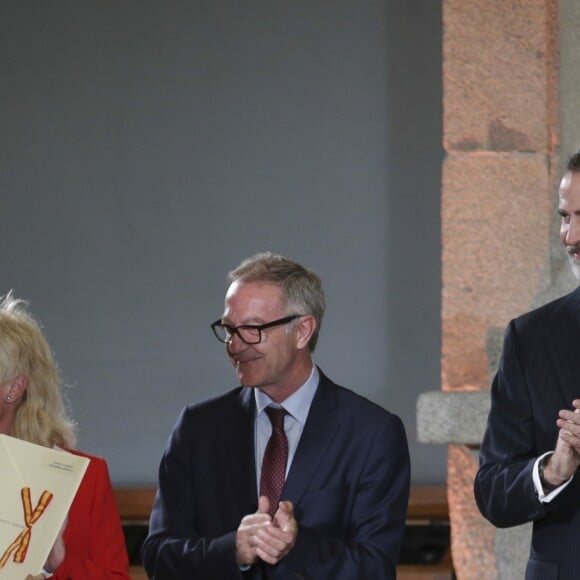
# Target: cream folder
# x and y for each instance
(37, 487)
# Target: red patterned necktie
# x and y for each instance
(275, 459)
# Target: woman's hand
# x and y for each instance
(57, 554)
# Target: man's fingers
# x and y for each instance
(284, 514)
(570, 416)
(263, 504)
(286, 507)
(263, 555)
(261, 516)
(272, 545)
(269, 541)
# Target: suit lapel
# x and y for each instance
(566, 335)
(562, 349)
(240, 461)
(319, 431)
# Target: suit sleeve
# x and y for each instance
(95, 545)
(174, 548)
(377, 521)
(504, 488)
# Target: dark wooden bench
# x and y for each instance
(428, 508)
(135, 505)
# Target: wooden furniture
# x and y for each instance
(135, 505)
(428, 504)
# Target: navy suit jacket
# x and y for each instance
(539, 374)
(349, 483)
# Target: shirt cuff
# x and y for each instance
(542, 496)
(46, 573)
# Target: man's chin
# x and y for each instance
(249, 382)
(246, 381)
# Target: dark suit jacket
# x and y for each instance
(539, 374)
(349, 483)
(95, 545)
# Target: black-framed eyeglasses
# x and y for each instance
(248, 333)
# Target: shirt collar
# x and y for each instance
(297, 404)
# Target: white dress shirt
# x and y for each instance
(542, 495)
(296, 406)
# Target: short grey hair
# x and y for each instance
(302, 287)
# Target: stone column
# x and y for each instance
(500, 102)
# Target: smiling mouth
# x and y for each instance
(240, 361)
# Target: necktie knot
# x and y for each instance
(276, 416)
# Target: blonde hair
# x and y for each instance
(41, 416)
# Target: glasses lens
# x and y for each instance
(248, 334)
(221, 332)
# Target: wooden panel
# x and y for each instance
(135, 503)
(137, 573)
(425, 502)
(428, 503)
(440, 571)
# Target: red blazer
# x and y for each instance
(95, 545)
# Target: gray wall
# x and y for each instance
(147, 146)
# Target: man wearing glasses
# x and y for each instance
(288, 475)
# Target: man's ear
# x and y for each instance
(305, 327)
(17, 387)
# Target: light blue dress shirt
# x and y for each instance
(297, 407)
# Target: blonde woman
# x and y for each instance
(91, 545)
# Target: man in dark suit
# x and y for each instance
(219, 514)
(531, 450)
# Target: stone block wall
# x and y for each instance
(500, 103)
